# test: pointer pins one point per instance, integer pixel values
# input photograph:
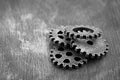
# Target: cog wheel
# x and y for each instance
(92, 49)
(57, 36)
(66, 58)
(83, 32)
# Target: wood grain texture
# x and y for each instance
(24, 26)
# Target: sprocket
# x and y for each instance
(83, 32)
(66, 58)
(96, 48)
(57, 36)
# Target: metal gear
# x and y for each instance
(83, 32)
(66, 58)
(58, 37)
(96, 48)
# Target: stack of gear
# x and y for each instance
(73, 46)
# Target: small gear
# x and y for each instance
(66, 58)
(58, 37)
(83, 32)
(96, 48)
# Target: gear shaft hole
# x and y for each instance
(81, 29)
(90, 42)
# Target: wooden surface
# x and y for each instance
(24, 26)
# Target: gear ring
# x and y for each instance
(66, 58)
(58, 37)
(92, 49)
(83, 32)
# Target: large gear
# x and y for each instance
(66, 58)
(58, 37)
(89, 48)
(83, 32)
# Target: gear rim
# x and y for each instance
(99, 43)
(87, 32)
(58, 37)
(72, 63)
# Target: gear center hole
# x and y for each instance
(81, 29)
(90, 42)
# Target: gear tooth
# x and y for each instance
(63, 65)
(70, 66)
(58, 64)
(74, 47)
(73, 44)
(93, 55)
(84, 31)
(77, 66)
(82, 50)
(79, 31)
(54, 61)
(77, 47)
(81, 62)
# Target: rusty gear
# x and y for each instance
(83, 32)
(96, 48)
(66, 58)
(58, 37)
